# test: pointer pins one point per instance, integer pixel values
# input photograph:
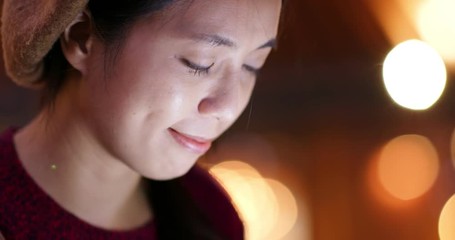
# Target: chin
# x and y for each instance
(167, 174)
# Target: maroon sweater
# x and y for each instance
(27, 212)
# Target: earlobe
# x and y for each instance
(76, 42)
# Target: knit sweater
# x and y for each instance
(27, 212)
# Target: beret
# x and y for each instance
(29, 29)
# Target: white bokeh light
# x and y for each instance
(436, 24)
(414, 75)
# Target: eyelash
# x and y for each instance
(195, 68)
(252, 70)
(204, 70)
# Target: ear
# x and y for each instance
(77, 40)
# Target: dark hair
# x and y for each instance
(111, 21)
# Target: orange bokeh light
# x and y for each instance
(408, 166)
(428, 20)
(447, 220)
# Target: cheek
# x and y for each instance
(247, 89)
(141, 86)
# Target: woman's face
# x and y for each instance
(181, 78)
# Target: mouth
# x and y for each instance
(194, 144)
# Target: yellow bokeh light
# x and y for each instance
(414, 75)
(408, 166)
(436, 24)
(252, 196)
(287, 209)
(268, 208)
(447, 220)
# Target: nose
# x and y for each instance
(227, 99)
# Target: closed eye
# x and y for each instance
(196, 69)
(251, 69)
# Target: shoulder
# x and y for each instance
(7, 152)
(8, 181)
(6, 143)
(213, 200)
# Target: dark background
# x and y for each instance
(321, 106)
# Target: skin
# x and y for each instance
(110, 129)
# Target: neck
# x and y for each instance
(61, 154)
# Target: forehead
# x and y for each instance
(240, 20)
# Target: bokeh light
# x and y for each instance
(287, 209)
(436, 24)
(408, 166)
(447, 220)
(268, 208)
(414, 75)
(452, 147)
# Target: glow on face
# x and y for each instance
(180, 80)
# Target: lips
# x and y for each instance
(192, 143)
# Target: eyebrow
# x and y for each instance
(217, 40)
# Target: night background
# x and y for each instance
(318, 122)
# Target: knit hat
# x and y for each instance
(29, 29)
